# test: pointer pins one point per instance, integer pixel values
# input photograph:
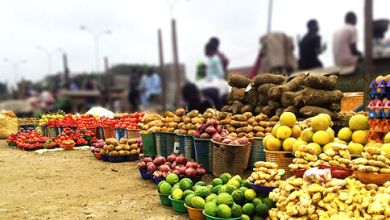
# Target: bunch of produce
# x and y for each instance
(209, 130)
(129, 121)
(87, 121)
(98, 146)
(345, 114)
(356, 135)
(116, 148)
(150, 123)
(373, 161)
(105, 122)
(336, 199)
(50, 143)
(337, 155)
(28, 121)
(265, 174)
(27, 140)
(305, 158)
(248, 125)
(189, 122)
(285, 131)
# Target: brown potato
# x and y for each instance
(177, 119)
(272, 123)
(239, 123)
(261, 117)
(231, 129)
(181, 125)
(164, 129)
(260, 134)
(255, 124)
(241, 134)
(173, 125)
(274, 118)
(251, 120)
(193, 113)
(222, 115)
(180, 112)
(241, 130)
(191, 132)
(157, 123)
(268, 130)
(170, 114)
(248, 114)
(233, 134)
(258, 129)
(167, 120)
(177, 131)
(239, 117)
(186, 119)
(248, 129)
(183, 132)
(208, 115)
(250, 135)
(224, 121)
(171, 129)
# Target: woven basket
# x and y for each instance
(149, 145)
(230, 158)
(281, 158)
(133, 133)
(204, 153)
(161, 143)
(257, 153)
(170, 139)
(120, 133)
(186, 143)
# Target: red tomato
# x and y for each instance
(142, 114)
(139, 120)
(136, 115)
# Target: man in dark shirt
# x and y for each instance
(310, 47)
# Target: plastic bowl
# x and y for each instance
(378, 179)
(262, 189)
(195, 214)
(116, 159)
(131, 157)
(339, 173)
(209, 217)
(178, 205)
(105, 158)
(164, 198)
(298, 173)
(157, 180)
(144, 174)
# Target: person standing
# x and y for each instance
(142, 87)
(310, 47)
(225, 61)
(214, 67)
(344, 42)
(133, 90)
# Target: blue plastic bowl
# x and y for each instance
(116, 159)
(157, 180)
(105, 158)
(144, 174)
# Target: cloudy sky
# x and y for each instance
(134, 23)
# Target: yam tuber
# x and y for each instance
(236, 107)
(277, 91)
(252, 96)
(263, 99)
(293, 110)
(298, 102)
(316, 97)
(279, 112)
(334, 107)
(229, 98)
(267, 78)
(238, 81)
(311, 111)
(259, 109)
(247, 108)
(317, 81)
(238, 94)
(274, 105)
(265, 88)
(226, 108)
(288, 98)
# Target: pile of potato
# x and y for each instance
(189, 123)
(265, 174)
(247, 125)
(123, 147)
(305, 158)
(337, 156)
(374, 161)
(28, 121)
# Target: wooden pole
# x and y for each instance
(108, 80)
(162, 70)
(269, 16)
(176, 64)
(368, 63)
(66, 70)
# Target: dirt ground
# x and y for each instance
(74, 185)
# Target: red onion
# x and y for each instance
(243, 140)
(171, 158)
(217, 137)
(168, 164)
(190, 172)
(182, 170)
(219, 129)
(192, 164)
(204, 136)
(152, 168)
(142, 165)
(211, 130)
(165, 174)
(197, 134)
(200, 171)
(181, 159)
(148, 159)
(164, 168)
(159, 160)
(176, 171)
(226, 141)
(148, 164)
(157, 174)
(173, 165)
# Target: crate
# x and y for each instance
(52, 132)
(186, 145)
(230, 158)
(120, 133)
(133, 133)
(257, 153)
(161, 143)
(149, 145)
(204, 153)
(92, 129)
(281, 158)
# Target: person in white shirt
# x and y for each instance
(143, 88)
(344, 42)
(214, 67)
(153, 87)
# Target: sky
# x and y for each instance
(239, 24)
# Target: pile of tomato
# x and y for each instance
(27, 140)
(129, 122)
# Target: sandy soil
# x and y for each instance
(74, 185)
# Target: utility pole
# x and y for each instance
(368, 64)
(49, 56)
(108, 79)
(162, 70)
(269, 15)
(176, 64)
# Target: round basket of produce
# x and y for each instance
(186, 145)
(116, 159)
(178, 205)
(164, 198)
(209, 217)
(195, 213)
(378, 179)
(204, 153)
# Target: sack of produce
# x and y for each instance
(8, 124)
